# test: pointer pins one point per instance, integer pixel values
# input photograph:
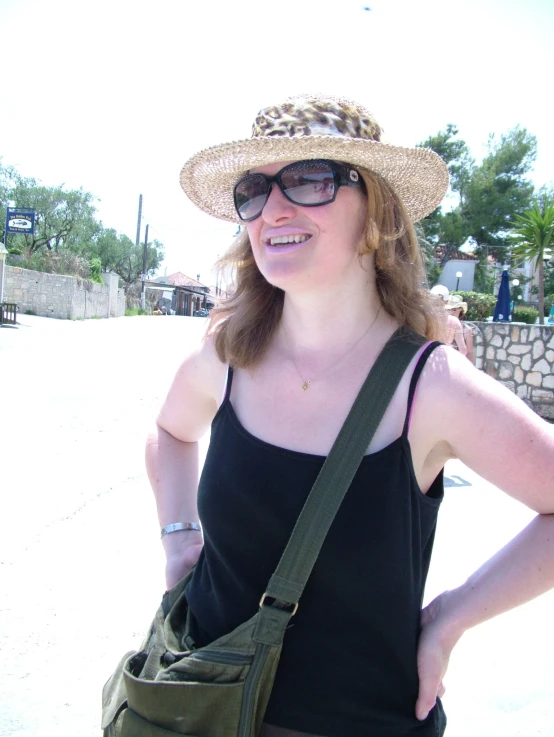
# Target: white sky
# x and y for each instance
(114, 95)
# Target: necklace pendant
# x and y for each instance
(305, 385)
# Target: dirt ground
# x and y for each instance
(81, 568)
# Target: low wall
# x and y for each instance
(522, 358)
(63, 297)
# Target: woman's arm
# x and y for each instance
(519, 572)
(172, 454)
(499, 437)
(172, 467)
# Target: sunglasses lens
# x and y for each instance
(304, 183)
(309, 182)
(250, 196)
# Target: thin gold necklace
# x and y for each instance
(306, 382)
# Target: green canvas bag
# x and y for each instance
(170, 688)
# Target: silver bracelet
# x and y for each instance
(177, 526)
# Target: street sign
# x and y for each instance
(20, 220)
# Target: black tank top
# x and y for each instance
(348, 665)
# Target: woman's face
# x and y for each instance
(298, 247)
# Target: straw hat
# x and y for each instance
(455, 303)
(314, 127)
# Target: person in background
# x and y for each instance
(454, 306)
(453, 330)
(456, 309)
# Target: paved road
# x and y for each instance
(80, 559)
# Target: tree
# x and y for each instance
(498, 191)
(449, 229)
(129, 262)
(60, 215)
(68, 238)
(9, 180)
(533, 236)
(456, 155)
(432, 269)
(486, 197)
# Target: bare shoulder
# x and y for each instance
(195, 394)
(488, 428)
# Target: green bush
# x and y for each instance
(479, 305)
(528, 315)
(136, 311)
(95, 266)
(548, 302)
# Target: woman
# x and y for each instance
(328, 213)
(454, 331)
(458, 331)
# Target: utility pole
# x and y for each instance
(137, 242)
(144, 264)
(138, 221)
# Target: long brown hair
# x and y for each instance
(244, 324)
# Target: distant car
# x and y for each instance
(201, 313)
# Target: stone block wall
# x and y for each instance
(120, 302)
(522, 358)
(63, 297)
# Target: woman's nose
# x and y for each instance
(277, 207)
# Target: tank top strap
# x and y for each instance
(424, 354)
(228, 385)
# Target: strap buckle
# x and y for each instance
(267, 596)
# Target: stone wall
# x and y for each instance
(522, 358)
(63, 297)
(120, 302)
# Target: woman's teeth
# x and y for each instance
(283, 239)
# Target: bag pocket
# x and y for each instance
(203, 666)
(186, 707)
(130, 724)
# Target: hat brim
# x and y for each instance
(459, 306)
(418, 175)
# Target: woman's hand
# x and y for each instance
(436, 642)
(182, 554)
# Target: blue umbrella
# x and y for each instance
(502, 309)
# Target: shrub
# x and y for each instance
(62, 261)
(136, 311)
(95, 266)
(548, 302)
(528, 315)
(479, 305)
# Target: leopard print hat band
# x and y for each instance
(313, 127)
(307, 116)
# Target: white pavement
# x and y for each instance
(81, 569)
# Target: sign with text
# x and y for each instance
(20, 220)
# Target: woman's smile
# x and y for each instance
(285, 240)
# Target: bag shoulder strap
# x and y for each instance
(340, 466)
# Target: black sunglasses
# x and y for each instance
(308, 183)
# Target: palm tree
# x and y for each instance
(533, 235)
